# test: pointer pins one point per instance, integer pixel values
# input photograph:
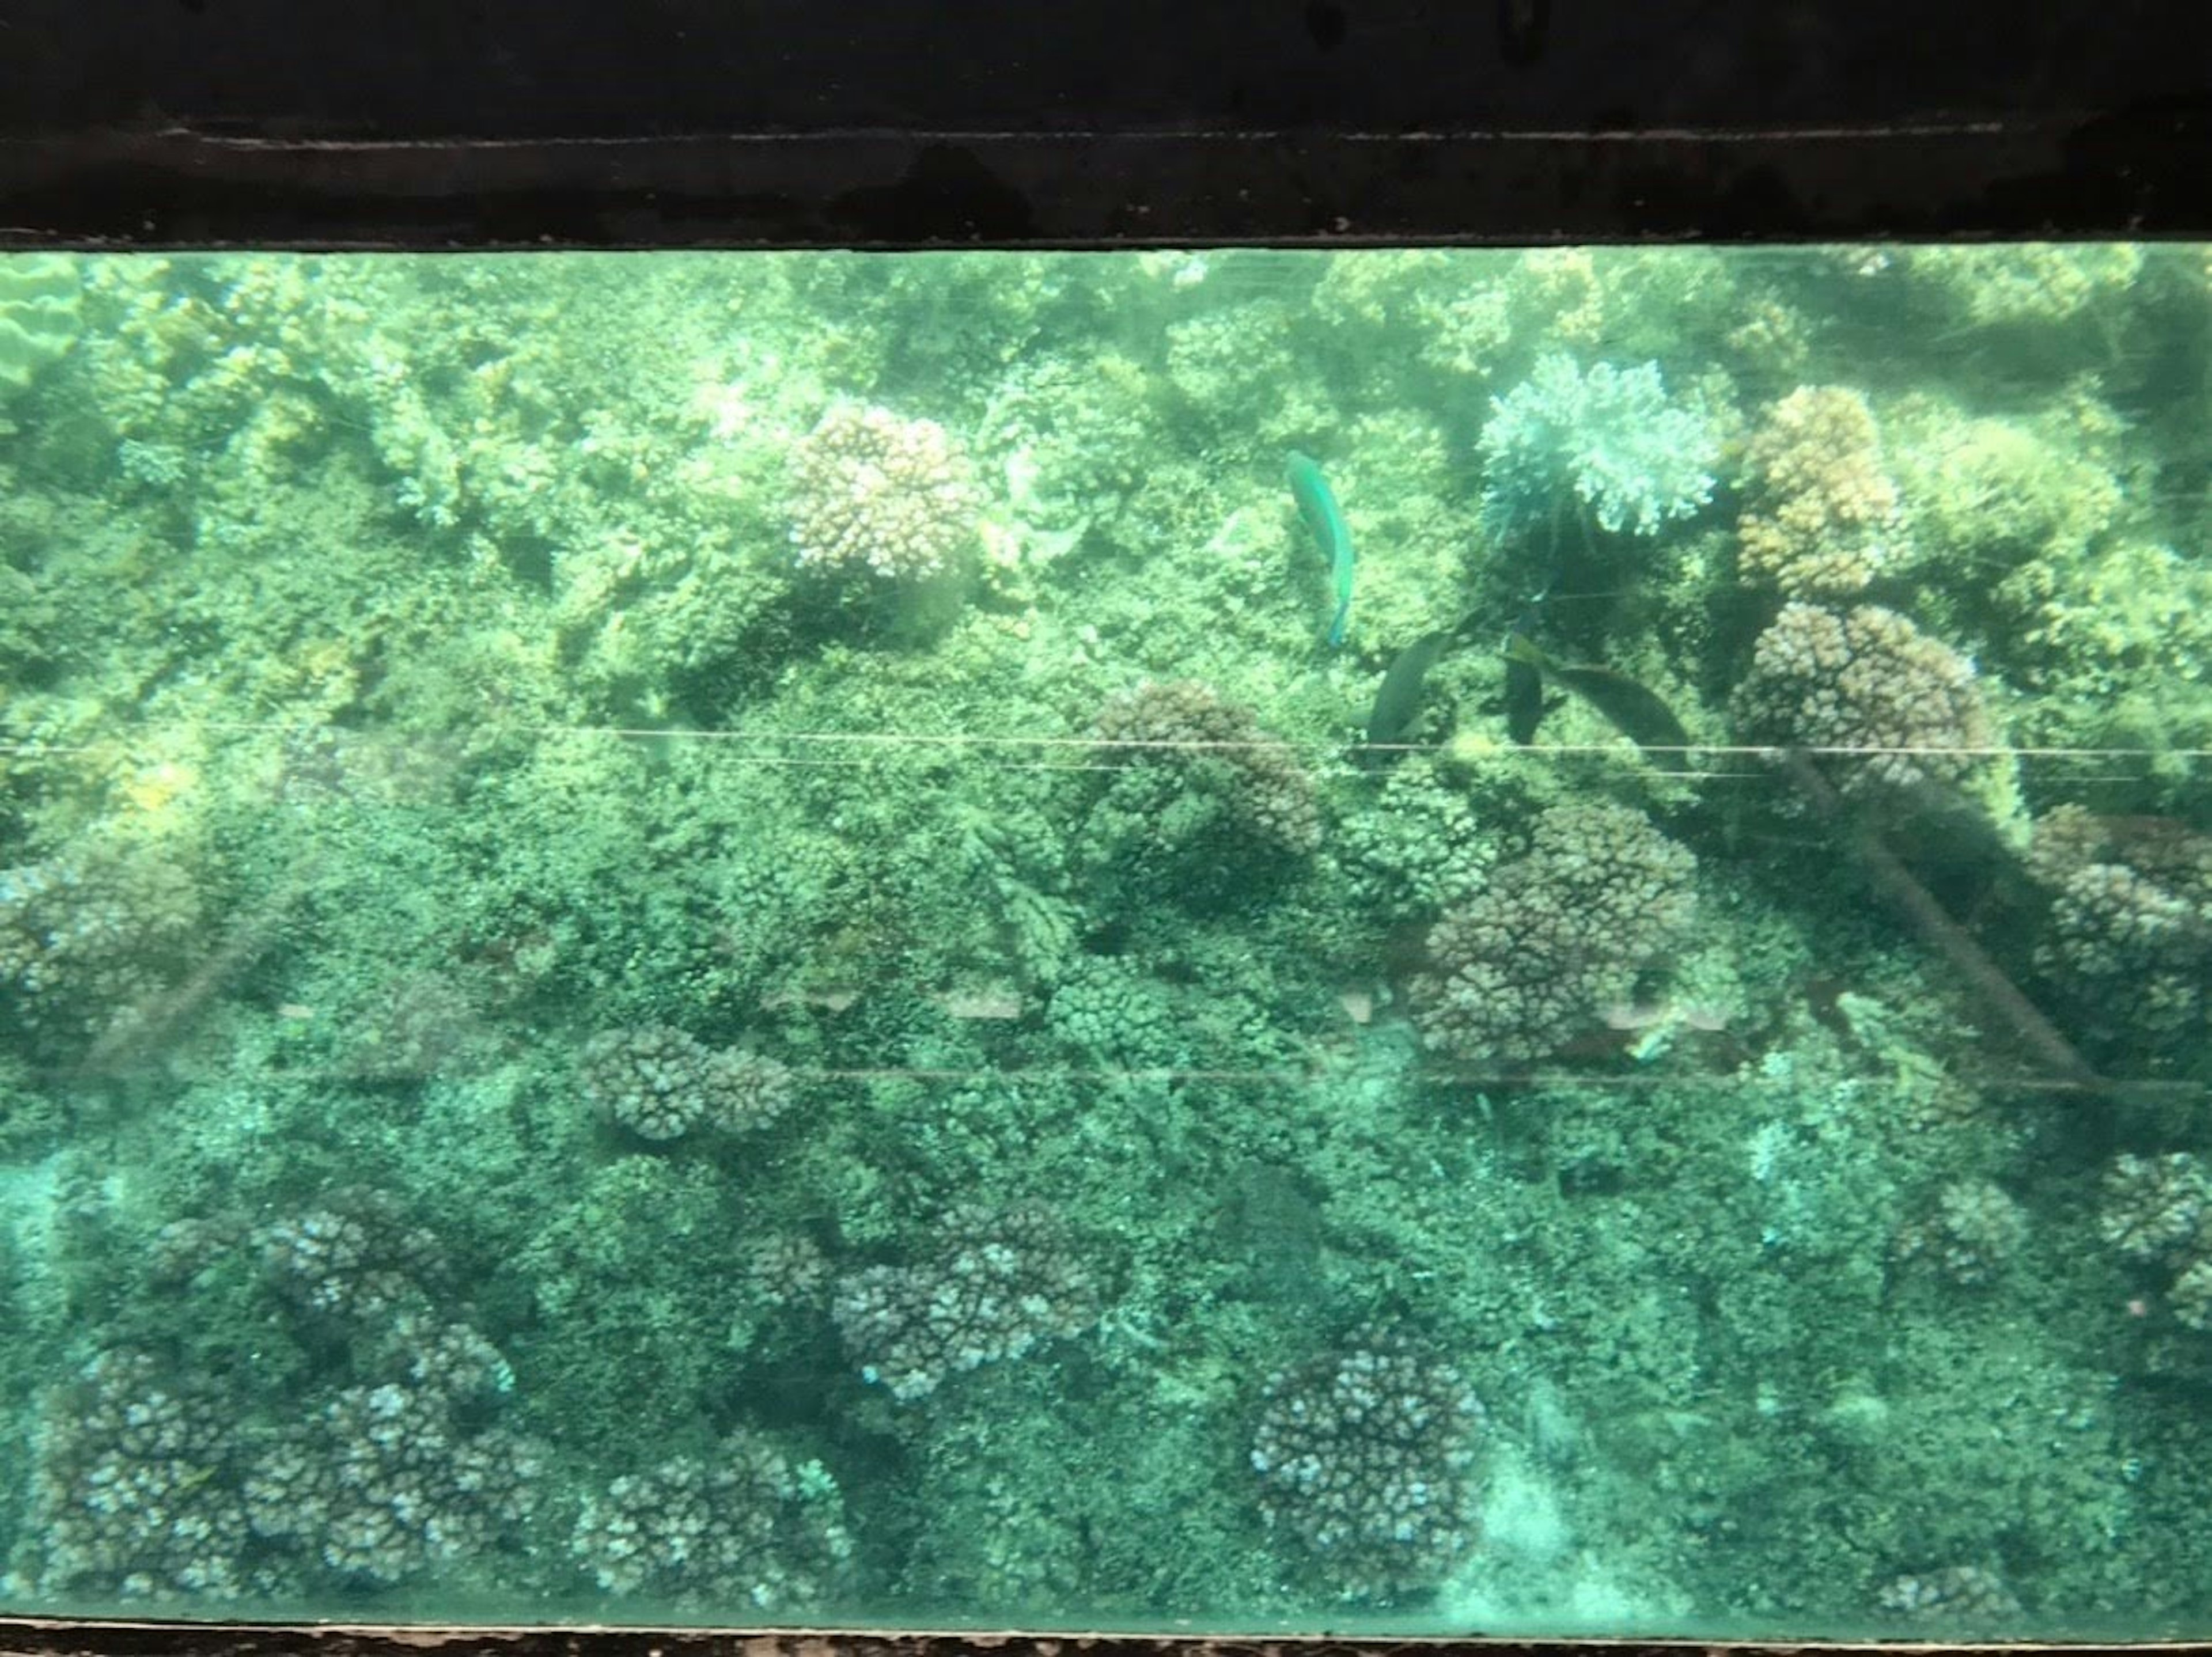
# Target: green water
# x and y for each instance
(715, 939)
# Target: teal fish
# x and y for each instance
(1635, 712)
(1324, 520)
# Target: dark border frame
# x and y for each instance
(427, 124)
(39, 1638)
(2130, 175)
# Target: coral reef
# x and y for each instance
(998, 1284)
(2130, 922)
(1607, 438)
(745, 1527)
(1528, 963)
(458, 716)
(1820, 514)
(661, 1084)
(874, 493)
(1366, 1462)
(1969, 1234)
(1885, 706)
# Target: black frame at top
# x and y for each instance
(1078, 123)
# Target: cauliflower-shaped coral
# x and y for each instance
(1365, 1460)
(747, 1527)
(1905, 708)
(1983, 494)
(1970, 1235)
(1821, 515)
(2023, 284)
(1002, 1283)
(2154, 1206)
(661, 1084)
(136, 1490)
(1609, 438)
(90, 942)
(1208, 747)
(1960, 1599)
(1521, 967)
(877, 494)
(387, 1481)
(2130, 927)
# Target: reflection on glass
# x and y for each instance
(1436, 940)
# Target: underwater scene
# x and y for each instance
(1413, 940)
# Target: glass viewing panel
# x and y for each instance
(1479, 941)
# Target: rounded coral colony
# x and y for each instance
(878, 495)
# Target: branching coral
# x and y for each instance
(1609, 438)
(875, 493)
(1366, 1461)
(1906, 706)
(1521, 967)
(1822, 513)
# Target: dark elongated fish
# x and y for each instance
(1398, 699)
(1631, 709)
(1524, 699)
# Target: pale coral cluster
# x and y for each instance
(1882, 703)
(1214, 746)
(89, 941)
(662, 1083)
(137, 1489)
(1970, 1234)
(999, 1284)
(744, 1528)
(1366, 1461)
(874, 493)
(151, 1481)
(2131, 921)
(1525, 965)
(391, 1480)
(1959, 1599)
(1821, 513)
(2154, 1210)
